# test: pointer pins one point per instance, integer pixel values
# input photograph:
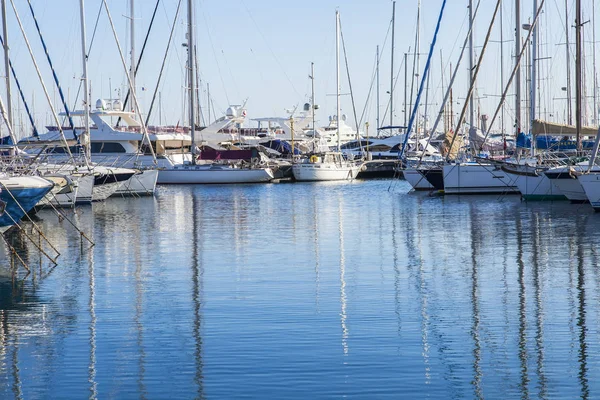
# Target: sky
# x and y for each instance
(259, 52)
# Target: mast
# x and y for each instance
(405, 88)
(312, 84)
(191, 75)
(502, 66)
(533, 82)
(377, 101)
(568, 53)
(86, 96)
(595, 78)
(208, 102)
(392, 66)
(6, 63)
(518, 68)
(132, 33)
(578, 87)
(337, 74)
(471, 57)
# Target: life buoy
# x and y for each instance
(314, 159)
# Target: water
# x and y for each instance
(307, 291)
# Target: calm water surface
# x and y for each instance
(306, 291)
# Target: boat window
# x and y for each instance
(379, 147)
(63, 150)
(107, 147)
(355, 144)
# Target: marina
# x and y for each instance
(198, 202)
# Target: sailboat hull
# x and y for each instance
(20, 195)
(325, 172)
(213, 174)
(142, 184)
(533, 184)
(417, 180)
(591, 186)
(476, 178)
(568, 184)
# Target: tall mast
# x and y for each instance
(208, 102)
(471, 60)
(377, 101)
(312, 98)
(518, 69)
(595, 80)
(533, 82)
(502, 66)
(132, 33)
(86, 95)
(6, 64)
(337, 74)
(578, 87)
(191, 76)
(568, 53)
(392, 66)
(405, 89)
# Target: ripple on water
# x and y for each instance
(308, 291)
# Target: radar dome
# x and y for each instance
(100, 104)
(306, 107)
(231, 112)
(117, 105)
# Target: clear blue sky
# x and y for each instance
(261, 51)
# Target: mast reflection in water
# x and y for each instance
(306, 291)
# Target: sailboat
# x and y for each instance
(331, 165)
(191, 172)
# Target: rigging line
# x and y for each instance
(474, 78)
(425, 74)
(39, 74)
(374, 72)
(387, 107)
(212, 45)
(349, 81)
(450, 84)
(88, 55)
(139, 61)
(520, 57)
(136, 103)
(416, 56)
(409, 50)
(56, 81)
(270, 49)
(22, 95)
(367, 105)
(162, 67)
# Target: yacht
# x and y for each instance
(122, 146)
(330, 166)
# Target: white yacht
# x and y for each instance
(331, 166)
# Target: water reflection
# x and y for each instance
(524, 383)
(428, 297)
(581, 315)
(475, 243)
(92, 307)
(197, 291)
(343, 297)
